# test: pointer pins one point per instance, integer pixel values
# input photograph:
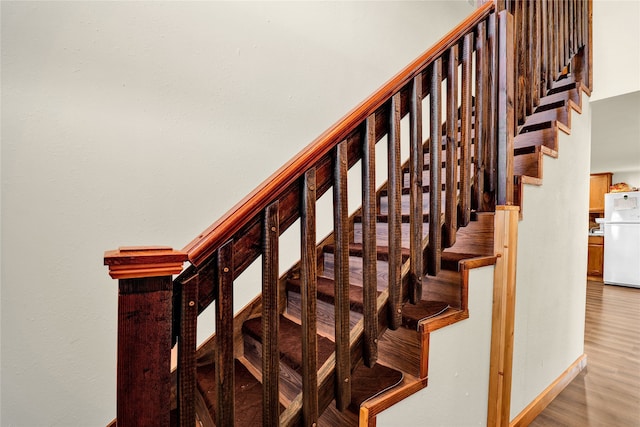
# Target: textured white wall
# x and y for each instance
(616, 52)
(551, 269)
(458, 368)
(129, 123)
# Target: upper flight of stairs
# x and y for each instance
(538, 135)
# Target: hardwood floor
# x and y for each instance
(607, 392)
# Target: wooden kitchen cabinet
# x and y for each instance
(595, 260)
(599, 186)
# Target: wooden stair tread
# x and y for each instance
(412, 314)
(571, 96)
(355, 249)
(534, 149)
(407, 190)
(384, 218)
(561, 115)
(367, 383)
(326, 292)
(247, 391)
(563, 84)
(450, 260)
(290, 341)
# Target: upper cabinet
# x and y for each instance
(600, 183)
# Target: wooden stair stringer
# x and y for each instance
(418, 380)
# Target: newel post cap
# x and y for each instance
(134, 262)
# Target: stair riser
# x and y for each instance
(528, 164)
(572, 96)
(561, 115)
(355, 271)
(382, 233)
(290, 380)
(443, 155)
(325, 312)
(406, 179)
(405, 204)
(546, 137)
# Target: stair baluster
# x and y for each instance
(491, 171)
(187, 350)
(270, 316)
(480, 116)
(555, 44)
(341, 275)
(416, 187)
(543, 8)
(369, 245)
(434, 248)
(309, 277)
(466, 116)
(534, 53)
(451, 181)
(564, 33)
(225, 365)
(394, 225)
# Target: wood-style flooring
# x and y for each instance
(607, 392)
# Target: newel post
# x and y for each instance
(144, 332)
(506, 122)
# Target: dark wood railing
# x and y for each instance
(472, 72)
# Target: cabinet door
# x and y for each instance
(599, 186)
(595, 260)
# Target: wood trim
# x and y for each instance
(534, 409)
(230, 223)
(136, 262)
(502, 326)
(370, 409)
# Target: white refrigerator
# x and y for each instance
(622, 239)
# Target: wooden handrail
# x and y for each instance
(220, 231)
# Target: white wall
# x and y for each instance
(632, 178)
(141, 123)
(552, 263)
(615, 134)
(458, 386)
(616, 47)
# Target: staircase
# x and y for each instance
(344, 333)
